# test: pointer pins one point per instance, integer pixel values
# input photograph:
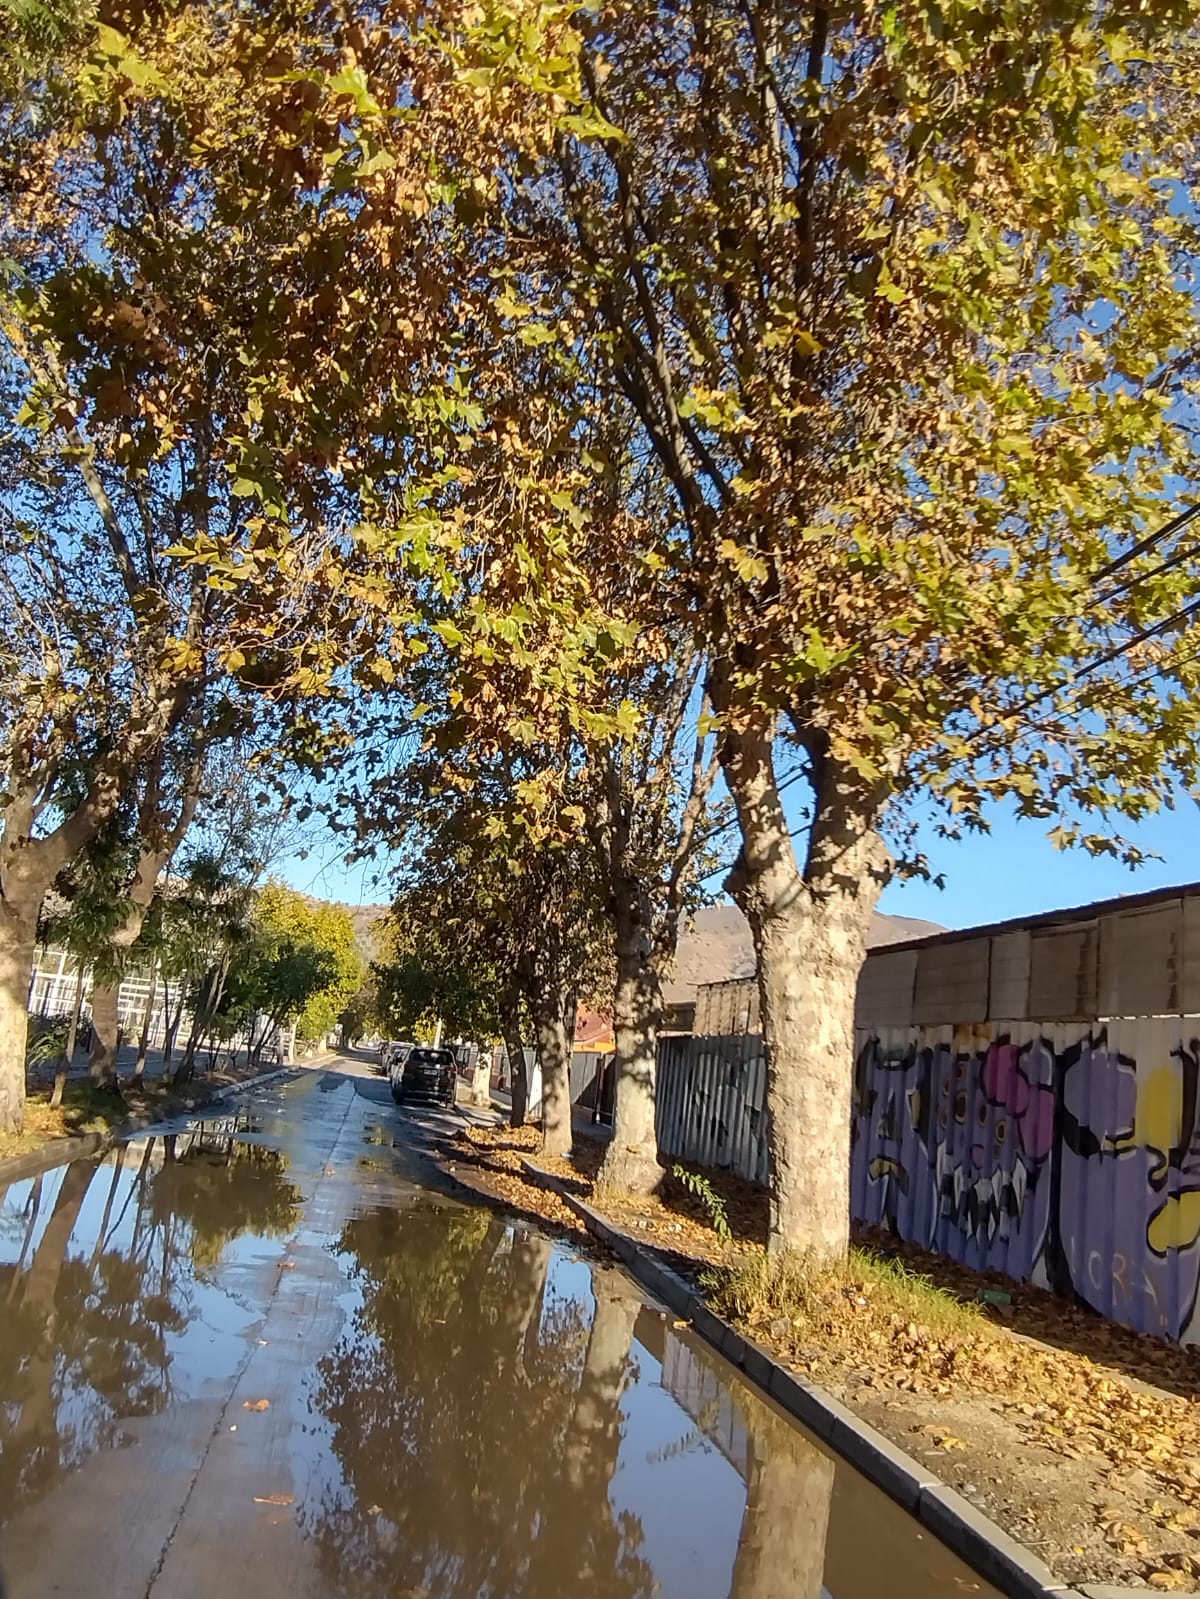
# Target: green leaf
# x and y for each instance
(534, 334)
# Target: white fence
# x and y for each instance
(52, 993)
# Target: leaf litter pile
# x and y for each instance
(1081, 1438)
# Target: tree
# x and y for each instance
(490, 877)
(426, 976)
(163, 810)
(143, 556)
(648, 818)
(455, 1327)
(306, 965)
(362, 1013)
(901, 302)
(208, 918)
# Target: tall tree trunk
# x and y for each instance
(552, 1013)
(102, 1067)
(510, 1027)
(18, 941)
(171, 1025)
(781, 1552)
(207, 1003)
(68, 1054)
(810, 932)
(186, 1069)
(481, 1080)
(631, 1160)
(144, 1042)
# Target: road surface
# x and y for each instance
(268, 1354)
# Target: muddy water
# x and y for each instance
(266, 1356)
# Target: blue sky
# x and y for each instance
(1013, 871)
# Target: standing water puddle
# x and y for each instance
(456, 1407)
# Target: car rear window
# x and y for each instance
(432, 1057)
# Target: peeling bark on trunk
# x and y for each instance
(18, 939)
(631, 1160)
(552, 1015)
(810, 933)
(781, 1552)
(102, 1066)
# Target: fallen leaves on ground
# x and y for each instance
(1050, 1376)
(274, 1499)
(256, 1404)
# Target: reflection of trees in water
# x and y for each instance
(220, 1188)
(475, 1423)
(86, 1345)
(85, 1338)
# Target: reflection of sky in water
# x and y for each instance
(692, 1554)
(671, 1484)
(211, 1344)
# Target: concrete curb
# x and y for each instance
(60, 1151)
(972, 1535)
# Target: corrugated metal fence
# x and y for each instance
(712, 1098)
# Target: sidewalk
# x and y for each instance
(581, 1118)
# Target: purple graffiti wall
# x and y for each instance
(1057, 1159)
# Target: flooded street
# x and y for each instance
(263, 1356)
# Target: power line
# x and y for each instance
(1148, 542)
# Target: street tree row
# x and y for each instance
(498, 389)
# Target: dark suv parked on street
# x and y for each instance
(425, 1073)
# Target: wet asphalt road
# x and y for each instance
(268, 1354)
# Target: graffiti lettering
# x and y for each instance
(1060, 1162)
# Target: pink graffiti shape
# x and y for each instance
(1006, 1084)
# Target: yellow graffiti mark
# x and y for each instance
(1160, 1109)
(1176, 1225)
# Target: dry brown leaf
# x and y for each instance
(274, 1499)
(256, 1404)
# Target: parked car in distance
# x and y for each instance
(392, 1051)
(424, 1073)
